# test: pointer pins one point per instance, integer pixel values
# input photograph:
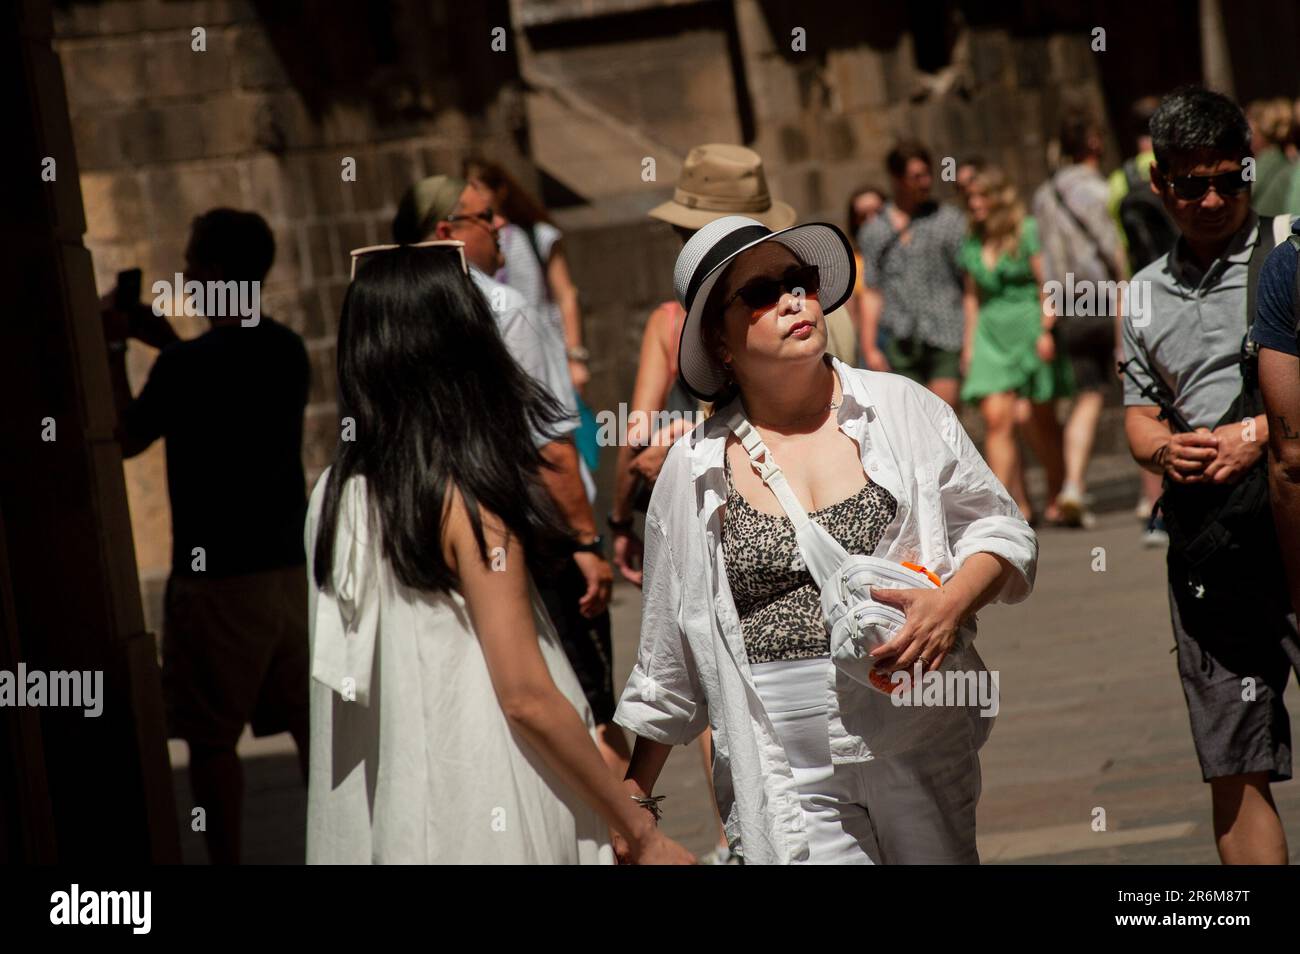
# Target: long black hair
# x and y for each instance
(437, 399)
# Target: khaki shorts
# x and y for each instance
(235, 652)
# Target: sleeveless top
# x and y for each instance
(778, 602)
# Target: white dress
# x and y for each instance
(412, 759)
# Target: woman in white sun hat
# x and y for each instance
(812, 764)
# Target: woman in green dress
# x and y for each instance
(1010, 362)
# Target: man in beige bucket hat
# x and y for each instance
(717, 179)
(720, 179)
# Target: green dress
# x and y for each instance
(1004, 356)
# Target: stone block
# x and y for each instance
(175, 194)
(255, 62)
(100, 73)
(114, 204)
(174, 68)
(166, 133)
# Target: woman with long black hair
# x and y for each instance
(447, 726)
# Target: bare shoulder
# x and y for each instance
(458, 529)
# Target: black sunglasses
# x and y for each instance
(1193, 187)
(765, 292)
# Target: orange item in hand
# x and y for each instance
(922, 570)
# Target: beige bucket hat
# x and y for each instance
(721, 179)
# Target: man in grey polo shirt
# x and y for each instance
(1233, 626)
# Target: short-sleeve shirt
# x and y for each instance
(1275, 322)
(535, 343)
(230, 404)
(1190, 329)
(523, 271)
(1067, 247)
(920, 281)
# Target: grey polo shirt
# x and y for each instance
(1191, 335)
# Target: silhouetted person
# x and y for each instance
(230, 405)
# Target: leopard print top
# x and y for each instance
(778, 601)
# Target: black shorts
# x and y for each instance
(1235, 658)
(235, 652)
(1090, 345)
(586, 641)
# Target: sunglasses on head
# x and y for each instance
(765, 292)
(359, 253)
(1193, 187)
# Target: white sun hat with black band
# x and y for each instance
(707, 254)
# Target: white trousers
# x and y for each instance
(914, 808)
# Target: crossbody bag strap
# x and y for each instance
(767, 469)
(822, 553)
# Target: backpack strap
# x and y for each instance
(1268, 238)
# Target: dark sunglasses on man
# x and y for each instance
(765, 292)
(1190, 188)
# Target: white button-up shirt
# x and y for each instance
(692, 671)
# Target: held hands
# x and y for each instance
(930, 631)
(649, 846)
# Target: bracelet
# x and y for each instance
(650, 803)
(578, 353)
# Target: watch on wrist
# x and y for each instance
(595, 546)
(620, 526)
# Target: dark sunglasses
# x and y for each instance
(766, 292)
(1193, 187)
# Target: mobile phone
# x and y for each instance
(128, 290)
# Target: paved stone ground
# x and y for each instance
(1092, 717)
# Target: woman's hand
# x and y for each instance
(930, 630)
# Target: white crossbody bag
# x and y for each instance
(857, 624)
